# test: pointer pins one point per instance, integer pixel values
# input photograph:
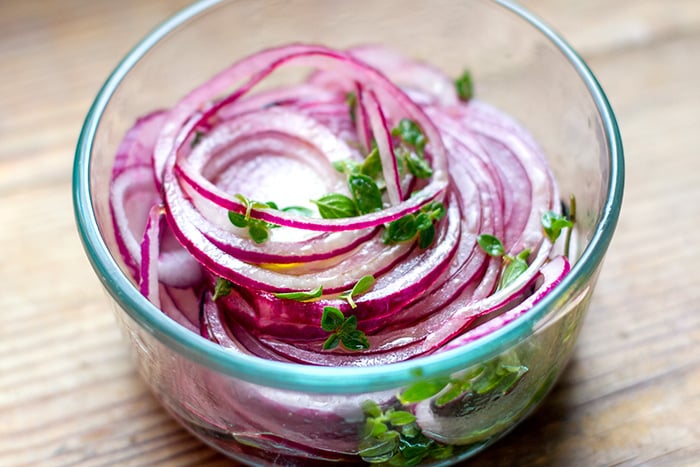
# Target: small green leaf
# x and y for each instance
(380, 448)
(301, 296)
(423, 221)
(372, 165)
(349, 325)
(465, 86)
(371, 409)
(258, 231)
(354, 340)
(298, 210)
(363, 285)
(421, 390)
(222, 288)
(410, 133)
(366, 194)
(418, 166)
(375, 428)
(332, 342)
(514, 269)
(347, 166)
(441, 451)
(426, 237)
(351, 100)
(436, 210)
(237, 219)
(553, 223)
(335, 206)
(415, 449)
(454, 390)
(272, 205)
(400, 230)
(491, 245)
(197, 138)
(400, 417)
(331, 319)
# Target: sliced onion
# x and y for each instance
(191, 164)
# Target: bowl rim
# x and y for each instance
(317, 379)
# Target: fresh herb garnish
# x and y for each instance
(422, 224)
(301, 296)
(347, 166)
(393, 437)
(222, 288)
(351, 100)
(365, 192)
(514, 266)
(491, 245)
(417, 165)
(363, 285)
(343, 330)
(553, 223)
(257, 229)
(196, 138)
(465, 86)
(335, 206)
(410, 133)
(372, 165)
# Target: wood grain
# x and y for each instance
(69, 394)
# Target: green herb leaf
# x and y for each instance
(332, 319)
(370, 408)
(347, 166)
(553, 223)
(197, 138)
(491, 245)
(222, 288)
(354, 340)
(426, 237)
(272, 205)
(301, 296)
(515, 267)
(372, 165)
(380, 448)
(237, 219)
(410, 133)
(335, 206)
(351, 99)
(258, 231)
(465, 86)
(435, 210)
(344, 330)
(423, 221)
(400, 417)
(332, 342)
(365, 192)
(421, 390)
(417, 165)
(400, 230)
(375, 428)
(363, 285)
(415, 449)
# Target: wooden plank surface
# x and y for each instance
(69, 394)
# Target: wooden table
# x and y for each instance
(69, 393)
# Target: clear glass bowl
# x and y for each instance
(268, 413)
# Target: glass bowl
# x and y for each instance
(261, 412)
